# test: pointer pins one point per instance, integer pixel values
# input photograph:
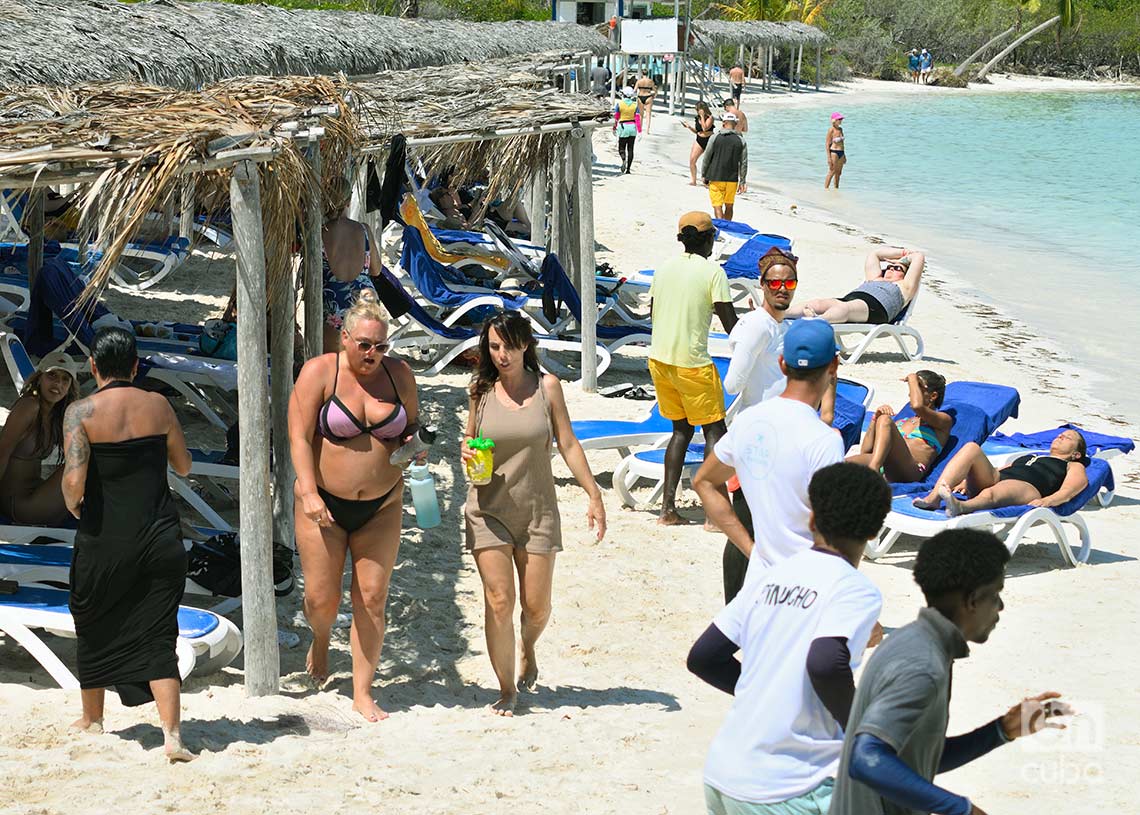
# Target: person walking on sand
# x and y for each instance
(737, 77)
(730, 106)
(348, 497)
(926, 65)
(774, 448)
(801, 631)
(627, 124)
(512, 523)
(682, 298)
(646, 92)
(895, 739)
(703, 127)
(836, 151)
(128, 567)
(913, 65)
(725, 167)
(754, 372)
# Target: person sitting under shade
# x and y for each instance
(1037, 480)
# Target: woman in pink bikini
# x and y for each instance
(348, 413)
(904, 449)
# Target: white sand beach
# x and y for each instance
(617, 724)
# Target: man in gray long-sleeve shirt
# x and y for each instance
(725, 166)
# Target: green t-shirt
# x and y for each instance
(683, 292)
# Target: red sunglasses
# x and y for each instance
(774, 285)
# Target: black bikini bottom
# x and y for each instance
(876, 314)
(351, 515)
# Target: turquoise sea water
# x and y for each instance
(1032, 198)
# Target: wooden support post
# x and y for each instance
(557, 205)
(818, 63)
(536, 207)
(312, 285)
(799, 67)
(764, 68)
(168, 215)
(283, 320)
(356, 205)
(34, 226)
(259, 609)
(791, 66)
(186, 209)
(584, 201)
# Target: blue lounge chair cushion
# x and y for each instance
(14, 554)
(555, 281)
(192, 623)
(693, 456)
(431, 277)
(737, 229)
(744, 262)
(1097, 442)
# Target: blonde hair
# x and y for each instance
(366, 307)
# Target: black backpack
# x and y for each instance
(215, 564)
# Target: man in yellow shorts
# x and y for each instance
(725, 166)
(685, 293)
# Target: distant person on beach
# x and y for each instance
(1037, 480)
(627, 124)
(895, 740)
(348, 497)
(913, 64)
(33, 429)
(512, 524)
(891, 277)
(754, 372)
(703, 127)
(926, 63)
(774, 448)
(737, 78)
(801, 632)
(725, 167)
(600, 77)
(646, 92)
(346, 261)
(128, 567)
(836, 151)
(731, 106)
(904, 449)
(685, 293)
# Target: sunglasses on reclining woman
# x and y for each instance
(775, 285)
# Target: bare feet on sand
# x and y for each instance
(528, 671)
(175, 750)
(85, 725)
(505, 706)
(669, 517)
(317, 661)
(371, 711)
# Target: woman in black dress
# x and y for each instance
(128, 567)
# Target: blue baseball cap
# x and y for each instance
(809, 343)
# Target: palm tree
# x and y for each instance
(1066, 11)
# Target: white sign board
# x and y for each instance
(649, 36)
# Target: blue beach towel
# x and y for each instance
(743, 262)
(978, 409)
(558, 288)
(431, 277)
(1097, 442)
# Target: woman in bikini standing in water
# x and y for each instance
(512, 523)
(904, 449)
(702, 127)
(348, 413)
(836, 151)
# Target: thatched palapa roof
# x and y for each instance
(759, 32)
(187, 45)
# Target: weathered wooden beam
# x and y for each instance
(584, 207)
(312, 285)
(259, 611)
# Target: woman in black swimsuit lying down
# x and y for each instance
(1038, 480)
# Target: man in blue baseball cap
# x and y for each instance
(774, 448)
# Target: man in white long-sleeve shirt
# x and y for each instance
(754, 372)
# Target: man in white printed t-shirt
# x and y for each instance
(774, 448)
(754, 372)
(801, 631)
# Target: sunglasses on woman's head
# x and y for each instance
(775, 285)
(366, 345)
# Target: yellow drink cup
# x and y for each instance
(480, 467)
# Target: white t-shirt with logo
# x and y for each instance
(754, 372)
(775, 448)
(779, 740)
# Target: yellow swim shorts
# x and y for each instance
(722, 192)
(693, 394)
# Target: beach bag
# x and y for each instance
(215, 565)
(219, 340)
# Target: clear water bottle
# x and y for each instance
(424, 499)
(422, 440)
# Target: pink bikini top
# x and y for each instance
(337, 423)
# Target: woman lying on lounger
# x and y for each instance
(1037, 480)
(891, 280)
(33, 430)
(903, 450)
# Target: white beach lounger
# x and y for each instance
(855, 338)
(206, 641)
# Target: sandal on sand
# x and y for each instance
(642, 393)
(615, 390)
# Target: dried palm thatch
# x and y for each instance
(759, 32)
(187, 45)
(138, 143)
